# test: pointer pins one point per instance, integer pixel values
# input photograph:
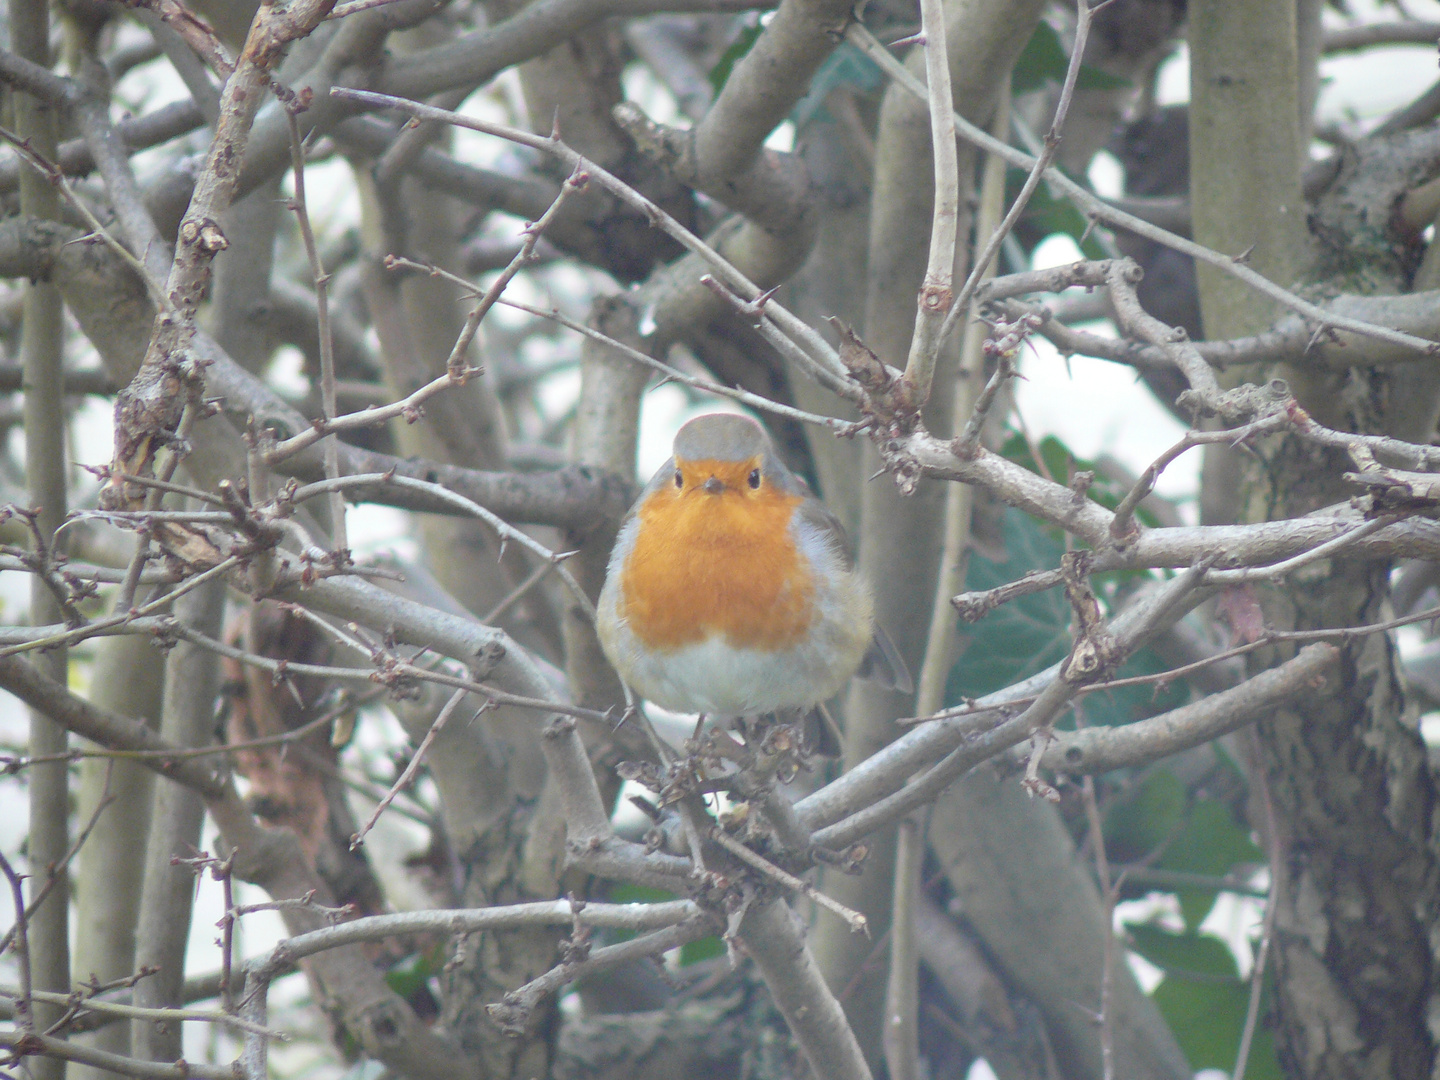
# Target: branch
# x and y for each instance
(1351, 38)
(513, 1012)
(21, 678)
(633, 917)
(149, 408)
(979, 737)
(24, 1045)
(772, 936)
(136, 133)
(1100, 749)
(733, 279)
(1084, 16)
(574, 497)
(936, 299)
(1097, 209)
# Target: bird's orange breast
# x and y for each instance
(706, 564)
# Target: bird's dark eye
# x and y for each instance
(679, 479)
(754, 478)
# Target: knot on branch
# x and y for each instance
(667, 147)
(1097, 651)
(1243, 403)
(974, 606)
(888, 402)
(206, 235)
(936, 299)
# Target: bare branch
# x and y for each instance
(936, 303)
(1099, 210)
(772, 937)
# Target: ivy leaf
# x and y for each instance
(846, 66)
(1150, 815)
(731, 56)
(1184, 954)
(1046, 216)
(408, 977)
(1204, 1000)
(692, 952)
(1043, 60)
(1028, 634)
(1212, 843)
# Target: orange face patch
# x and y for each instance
(718, 561)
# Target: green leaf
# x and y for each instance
(409, 976)
(1027, 635)
(1185, 954)
(692, 952)
(1061, 464)
(1024, 636)
(1211, 842)
(1043, 60)
(623, 892)
(1135, 826)
(731, 56)
(1090, 78)
(846, 66)
(1204, 1000)
(1045, 216)
(1199, 837)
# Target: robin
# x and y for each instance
(731, 590)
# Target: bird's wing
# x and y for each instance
(882, 662)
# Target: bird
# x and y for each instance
(732, 591)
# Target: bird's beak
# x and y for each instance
(714, 485)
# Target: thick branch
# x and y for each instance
(1100, 749)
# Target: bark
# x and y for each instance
(1353, 958)
(110, 870)
(42, 352)
(1022, 887)
(191, 685)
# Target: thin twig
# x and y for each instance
(1084, 14)
(24, 1009)
(818, 349)
(55, 873)
(393, 672)
(136, 1012)
(755, 401)
(503, 528)
(1122, 524)
(34, 1043)
(1320, 551)
(515, 595)
(53, 173)
(1098, 209)
(322, 325)
(515, 1009)
(1108, 891)
(1267, 932)
(857, 922)
(353, 7)
(79, 633)
(412, 767)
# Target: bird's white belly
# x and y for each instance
(713, 677)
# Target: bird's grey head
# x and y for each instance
(721, 437)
